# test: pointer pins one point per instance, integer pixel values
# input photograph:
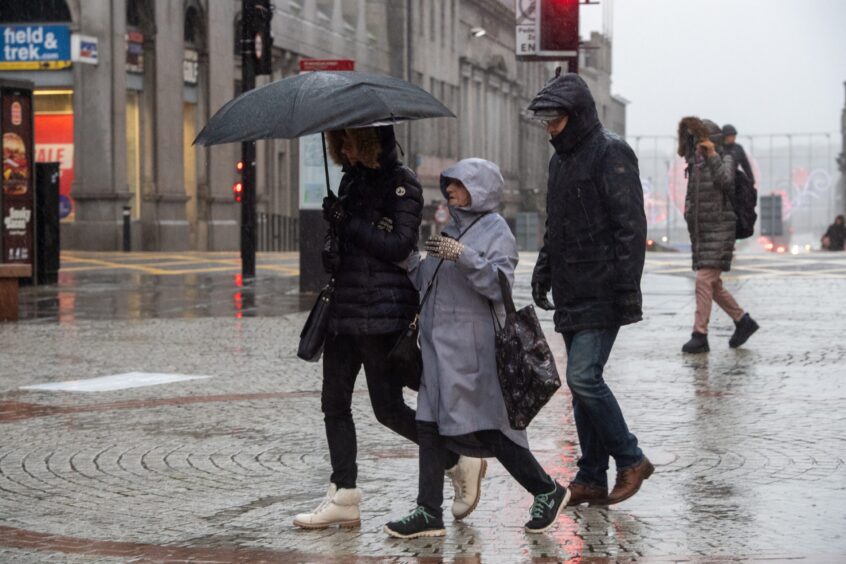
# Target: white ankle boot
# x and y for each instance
(466, 479)
(339, 507)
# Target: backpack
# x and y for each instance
(745, 199)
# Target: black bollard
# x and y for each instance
(127, 231)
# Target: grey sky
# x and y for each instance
(767, 66)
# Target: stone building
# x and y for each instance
(165, 66)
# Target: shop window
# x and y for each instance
(41, 11)
(54, 140)
(133, 150)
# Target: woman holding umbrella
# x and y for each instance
(460, 407)
(374, 225)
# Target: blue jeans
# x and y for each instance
(599, 421)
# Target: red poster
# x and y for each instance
(54, 143)
(17, 227)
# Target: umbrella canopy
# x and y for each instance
(319, 101)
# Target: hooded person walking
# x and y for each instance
(460, 408)
(592, 260)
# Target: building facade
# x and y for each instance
(123, 127)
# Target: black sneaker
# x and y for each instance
(420, 523)
(546, 508)
(743, 330)
(698, 343)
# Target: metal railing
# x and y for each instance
(278, 233)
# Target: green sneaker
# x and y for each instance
(546, 508)
(420, 523)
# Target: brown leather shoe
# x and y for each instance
(630, 480)
(583, 493)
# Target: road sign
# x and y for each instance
(326, 65)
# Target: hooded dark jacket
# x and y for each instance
(739, 156)
(373, 295)
(595, 239)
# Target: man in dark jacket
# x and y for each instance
(735, 150)
(592, 260)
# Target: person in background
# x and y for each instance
(835, 237)
(731, 147)
(711, 223)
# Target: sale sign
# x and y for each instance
(54, 143)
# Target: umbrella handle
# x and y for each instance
(326, 164)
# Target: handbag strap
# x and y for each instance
(507, 300)
(413, 324)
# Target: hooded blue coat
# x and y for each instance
(460, 389)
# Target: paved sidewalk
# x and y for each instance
(748, 443)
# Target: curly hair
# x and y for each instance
(691, 125)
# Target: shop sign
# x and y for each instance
(309, 65)
(34, 47)
(84, 49)
(17, 224)
(135, 52)
(190, 66)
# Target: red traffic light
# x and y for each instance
(239, 166)
(237, 190)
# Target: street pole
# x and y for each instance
(832, 189)
(248, 148)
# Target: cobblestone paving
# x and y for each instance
(748, 443)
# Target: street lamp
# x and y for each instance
(477, 32)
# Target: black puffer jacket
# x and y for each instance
(374, 296)
(595, 239)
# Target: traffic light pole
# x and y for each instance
(248, 148)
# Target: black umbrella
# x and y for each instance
(316, 102)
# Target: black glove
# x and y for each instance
(331, 254)
(333, 211)
(539, 292)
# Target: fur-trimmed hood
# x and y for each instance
(376, 146)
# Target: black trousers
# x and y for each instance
(435, 458)
(343, 357)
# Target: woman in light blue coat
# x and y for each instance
(460, 406)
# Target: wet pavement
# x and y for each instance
(748, 443)
(165, 285)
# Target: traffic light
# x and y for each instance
(259, 17)
(771, 214)
(558, 27)
(238, 187)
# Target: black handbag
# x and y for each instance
(313, 334)
(524, 363)
(405, 356)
